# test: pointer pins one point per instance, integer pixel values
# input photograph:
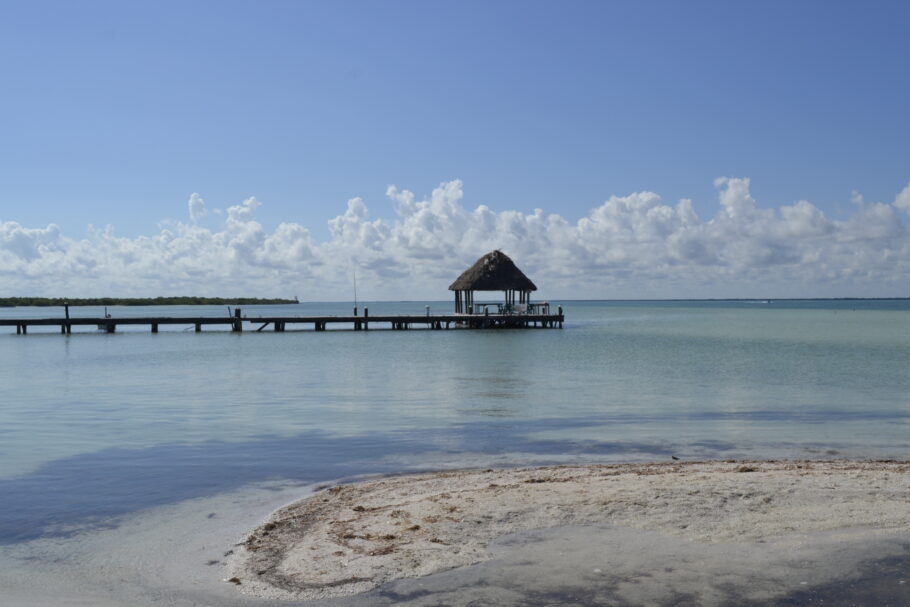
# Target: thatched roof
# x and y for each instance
(493, 272)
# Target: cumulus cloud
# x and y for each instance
(902, 201)
(197, 207)
(635, 245)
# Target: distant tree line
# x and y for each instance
(11, 302)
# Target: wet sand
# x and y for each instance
(749, 521)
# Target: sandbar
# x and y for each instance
(352, 538)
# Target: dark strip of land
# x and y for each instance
(12, 302)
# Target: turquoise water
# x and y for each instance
(96, 426)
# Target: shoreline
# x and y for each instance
(350, 539)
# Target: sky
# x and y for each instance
(613, 149)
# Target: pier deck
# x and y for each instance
(319, 323)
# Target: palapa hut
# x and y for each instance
(492, 272)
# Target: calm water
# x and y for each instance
(96, 426)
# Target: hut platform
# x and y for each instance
(239, 323)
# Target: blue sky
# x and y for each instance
(114, 113)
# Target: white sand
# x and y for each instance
(352, 538)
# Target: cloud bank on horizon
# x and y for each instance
(633, 246)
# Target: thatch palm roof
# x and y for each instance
(493, 272)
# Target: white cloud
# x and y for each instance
(902, 201)
(242, 212)
(197, 207)
(629, 246)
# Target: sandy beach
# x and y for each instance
(349, 539)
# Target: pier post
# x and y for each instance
(110, 327)
(63, 328)
(366, 315)
(238, 323)
(69, 328)
(154, 327)
(18, 329)
(198, 327)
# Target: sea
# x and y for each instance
(116, 449)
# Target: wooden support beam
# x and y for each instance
(154, 327)
(198, 327)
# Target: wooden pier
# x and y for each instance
(362, 322)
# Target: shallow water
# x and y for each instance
(95, 428)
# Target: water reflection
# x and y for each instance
(70, 494)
